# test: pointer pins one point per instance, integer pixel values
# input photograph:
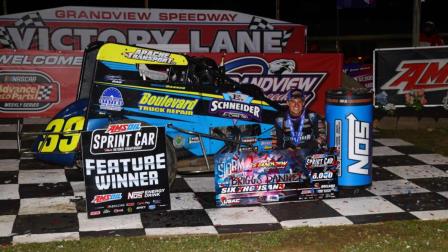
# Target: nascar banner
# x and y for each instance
(37, 83)
(125, 169)
(405, 74)
(276, 74)
(248, 178)
(74, 27)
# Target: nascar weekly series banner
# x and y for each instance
(37, 83)
(73, 28)
(125, 169)
(404, 74)
(276, 74)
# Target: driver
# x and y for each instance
(298, 128)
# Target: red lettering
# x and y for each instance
(434, 75)
(82, 14)
(183, 17)
(131, 16)
(163, 16)
(411, 76)
(60, 14)
(144, 15)
(71, 14)
(172, 16)
(201, 17)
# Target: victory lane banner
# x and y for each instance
(125, 170)
(252, 178)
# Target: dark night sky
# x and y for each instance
(388, 17)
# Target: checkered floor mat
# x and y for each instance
(41, 202)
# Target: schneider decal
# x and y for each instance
(236, 105)
(123, 137)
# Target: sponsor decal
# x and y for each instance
(95, 213)
(358, 145)
(115, 206)
(132, 140)
(141, 171)
(427, 75)
(118, 210)
(123, 127)
(111, 99)
(178, 141)
(167, 104)
(27, 91)
(228, 202)
(150, 55)
(267, 164)
(275, 78)
(135, 195)
(97, 199)
(237, 106)
(193, 140)
(320, 160)
(145, 194)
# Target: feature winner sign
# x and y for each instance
(74, 28)
(125, 169)
(248, 178)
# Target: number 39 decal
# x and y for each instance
(66, 142)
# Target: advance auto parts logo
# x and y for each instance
(27, 91)
(275, 78)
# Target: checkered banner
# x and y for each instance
(258, 23)
(44, 93)
(29, 20)
(5, 39)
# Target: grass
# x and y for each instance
(389, 236)
(435, 140)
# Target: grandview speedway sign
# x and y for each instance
(73, 28)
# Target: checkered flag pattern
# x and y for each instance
(5, 39)
(44, 93)
(42, 202)
(29, 20)
(260, 24)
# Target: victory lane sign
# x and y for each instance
(125, 170)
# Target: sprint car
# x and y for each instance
(204, 112)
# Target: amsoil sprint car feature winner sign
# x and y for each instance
(125, 169)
